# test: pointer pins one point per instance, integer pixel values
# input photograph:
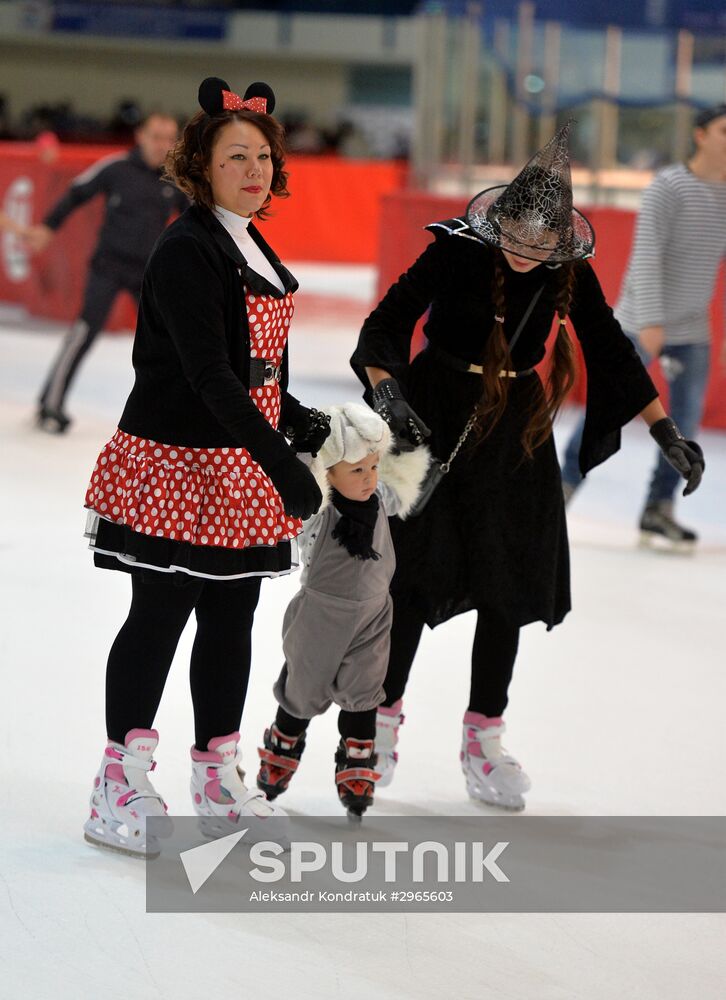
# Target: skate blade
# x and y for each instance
(214, 827)
(217, 827)
(515, 804)
(355, 810)
(488, 797)
(668, 546)
(355, 817)
(118, 848)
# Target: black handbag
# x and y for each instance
(438, 469)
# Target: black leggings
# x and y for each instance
(492, 657)
(359, 725)
(141, 655)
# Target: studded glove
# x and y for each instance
(406, 426)
(309, 432)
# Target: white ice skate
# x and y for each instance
(219, 793)
(123, 798)
(387, 722)
(492, 775)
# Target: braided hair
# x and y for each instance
(497, 357)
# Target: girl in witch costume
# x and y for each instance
(492, 537)
(198, 495)
(336, 630)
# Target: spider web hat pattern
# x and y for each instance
(532, 216)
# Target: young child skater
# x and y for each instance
(336, 630)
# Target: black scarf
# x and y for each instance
(354, 530)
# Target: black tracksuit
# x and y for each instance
(138, 207)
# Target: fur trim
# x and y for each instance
(404, 474)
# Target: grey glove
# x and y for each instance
(686, 457)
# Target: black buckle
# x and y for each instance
(264, 372)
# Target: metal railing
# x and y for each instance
(489, 93)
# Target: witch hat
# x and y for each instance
(532, 216)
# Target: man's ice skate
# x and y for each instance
(387, 722)
(355, 777)
(123, 798)
(219, 793)
(492, 775)
(658, 529)
(53, 421)
(279, 759)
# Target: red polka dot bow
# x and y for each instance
(233, 102)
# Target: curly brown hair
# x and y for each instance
(187, 162)
(497, 358)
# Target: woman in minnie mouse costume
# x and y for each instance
(492, 537)
(198, 495)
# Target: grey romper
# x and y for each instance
(336, 630)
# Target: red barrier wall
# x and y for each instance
(403, 238)
(332, 215)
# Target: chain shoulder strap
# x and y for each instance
(445, 466)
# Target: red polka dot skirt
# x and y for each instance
(210, 511)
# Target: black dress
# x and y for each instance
(493, 535)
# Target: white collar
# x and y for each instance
(236, 225)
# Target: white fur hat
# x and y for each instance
(355, 431)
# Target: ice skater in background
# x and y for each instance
(138, 207)
(336, 631)
(680, 242)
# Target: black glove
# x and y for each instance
(309, 432)
(406, 426)
(686, 457)
(300, 493)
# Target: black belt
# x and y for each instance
(263, 372)
(459, 365)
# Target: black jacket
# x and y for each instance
(192, 347)
(453, 278)
(138, 206)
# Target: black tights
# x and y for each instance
(359, 725)
(141, 655)
(492, 658)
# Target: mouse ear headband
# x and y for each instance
(216, 96)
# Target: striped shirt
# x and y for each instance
(680, 241)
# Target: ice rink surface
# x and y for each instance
(619, 711)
